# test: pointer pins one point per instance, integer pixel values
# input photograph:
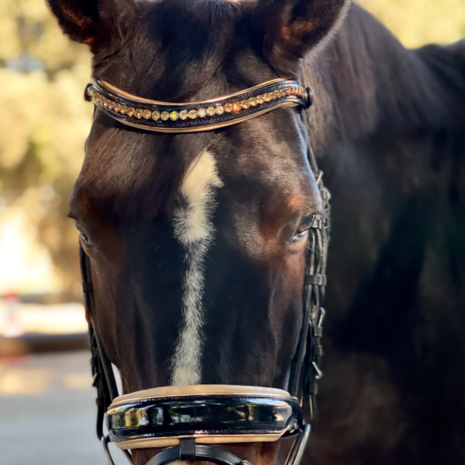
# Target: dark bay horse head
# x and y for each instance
(197, 241)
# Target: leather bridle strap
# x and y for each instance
(189, 450)
(102, 372)
(175, 118)
(305, 370)
(167, 117)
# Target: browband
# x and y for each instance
(210, 414)
(169, 117)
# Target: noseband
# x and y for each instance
(189, 420)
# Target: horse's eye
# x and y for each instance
(302, 230)
(83, 237)
(300, 235)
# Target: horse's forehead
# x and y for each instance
(129, 173)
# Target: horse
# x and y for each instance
(197, 241)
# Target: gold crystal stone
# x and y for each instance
(202, 112)
(174, 116)
(260, 99)
(165, 116)
(130, 111)
(210, 111)
(192, 114)
(253, 101)
(138, 113)
(245, 104)
(228, 108)
(267, 97)
(123, 110)
(183, 114)
(117, 107)
(155, 115)
(219, 110)
(111, 105)
(274, 94)
(237, 106)
(97, 98)
(147, 114)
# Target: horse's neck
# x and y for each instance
(366, 81)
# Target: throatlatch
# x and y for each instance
(188, 420)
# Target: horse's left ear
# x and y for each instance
(94, 22)
(293, 27)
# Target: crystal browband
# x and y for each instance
(168, 117)
(209, 414)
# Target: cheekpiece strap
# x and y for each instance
(152, 115)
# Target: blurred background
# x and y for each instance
(46, 399)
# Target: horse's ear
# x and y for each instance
(93, 22)
(293, 27)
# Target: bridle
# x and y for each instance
(188, 420)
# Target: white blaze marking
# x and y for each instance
(194, 230)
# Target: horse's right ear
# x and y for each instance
(93, 22)
(293, 27)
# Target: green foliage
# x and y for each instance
(45, 120)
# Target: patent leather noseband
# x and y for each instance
(192, 421)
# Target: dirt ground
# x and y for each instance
(47, 411)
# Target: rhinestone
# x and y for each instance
(130, 111)
(219, 110)
(155, 115)
(123, 110)
(237, 106)
(147, 114)
(253, 101)
(245, 104)
(104, 102)
(183, 114)
(97, 98)
(117, 107)
(202, 113)
(274, 94)
(111, 105)
(228, 108)
(192, 114)
(165, 116)
(288, 91)
(267, 97)
(260, 99)
(210, 111)
(173, 116)
(138, 113)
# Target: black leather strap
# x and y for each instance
(208, 415)
(196, 116)
(305, 369)
(200, 452)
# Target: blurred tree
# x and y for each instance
(419, 22)
(45, 119)
(42, 77)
